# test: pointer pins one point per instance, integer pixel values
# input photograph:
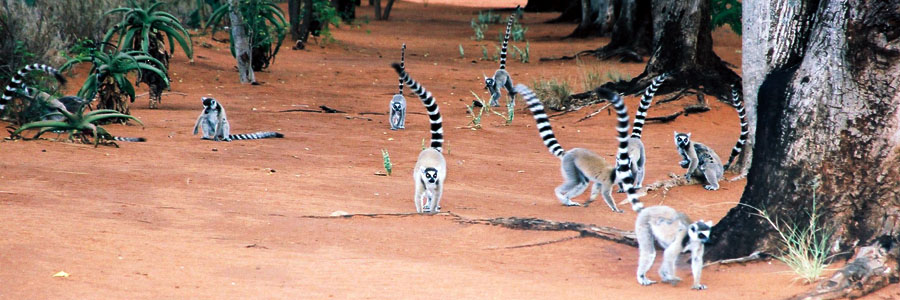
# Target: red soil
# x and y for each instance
(179, 217)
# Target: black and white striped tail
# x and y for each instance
(256, 135)
(506, 42)
(434, 113)
(623, 165)
(541, 119)
(402, 60)
(646, 101)
(739, 146)
(128, 139)
(18, 81)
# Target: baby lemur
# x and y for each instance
(700, 160)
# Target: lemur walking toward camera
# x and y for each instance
(580, 166)
(675, 233)
(635, 146)
(745, 128)
(700, 160)
(430, 172)
(398, 103)
(214, 123)
(501, 78)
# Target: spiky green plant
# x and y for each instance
(108, 76)
(387, 161)
(462, 53)
(524, 56)
(488, 17)
(479, 30)
(77, 124)
(484, 53)
(266, 27)
(726, 12)
(476, 118)
(517, 31)
(142, 28)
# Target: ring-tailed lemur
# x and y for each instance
(430, 172)
(581, 166)
(675, 232)
(501, 78)
(745, 129)
(216, 127)
(398, 103)
(18, 81)
(700, 160)
(635, 145)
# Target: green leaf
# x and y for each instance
(96, 118)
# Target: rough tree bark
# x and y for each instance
(241, 44)
(682, 43)
(828, 112)
(294, 16)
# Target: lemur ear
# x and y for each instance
(689, 134)
(708, 223)
(675, 133)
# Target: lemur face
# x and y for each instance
(488, 83)
(682, 139)
(209, 104)
(700, 231)
(430, 176)
(396, 106)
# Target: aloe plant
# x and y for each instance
(266, 25)
(142, 28)
(77, 124)
(109, 76)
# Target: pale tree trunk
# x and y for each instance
(828, 111)
(241, 44)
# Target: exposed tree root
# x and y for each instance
(679, 95)
(665, 119)
(872, 268)
(752, 257)
(625, 54)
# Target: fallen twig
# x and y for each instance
(594, 113)
(677, 96)
(330, 110)
(752, 257)
(538, 244)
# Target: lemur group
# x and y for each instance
(580, 167)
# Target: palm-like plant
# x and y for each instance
(142, 28)
(109, 76)
(78, 125)
(265, 24)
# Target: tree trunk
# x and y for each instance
(241, 44)
(571, 12)
(595, 18)
(377, 6)
(683, 43)
(828, 111)
(387, 9)
(345, 9)
(294, 16)
(632, 33)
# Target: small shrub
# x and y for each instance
(470, 108)
(726, 12)
(517, 32)
(524, 56)
(462, 53)
(553, 93)
(488, 17)
(805, 247)
(479, 30)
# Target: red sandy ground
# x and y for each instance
(179, 217)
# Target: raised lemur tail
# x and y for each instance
(402, 60)
(434, 113)
(646, 100)
(256, 135)
(18, 81)
(623, 165)
(543, 122)
(739, 106)
(506, 42)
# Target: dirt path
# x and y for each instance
(178, 217)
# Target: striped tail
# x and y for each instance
(19, 78)
(646, 100)
(256, 135)
(623, 164)
(506, 42)
(128, 139)
(543, 122)
(739, 146)
(434, 113)
(402, 60)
